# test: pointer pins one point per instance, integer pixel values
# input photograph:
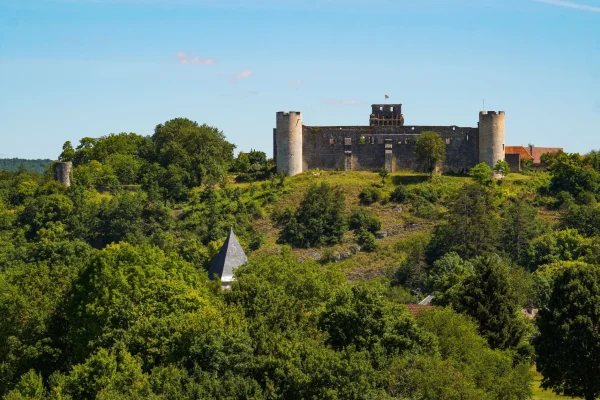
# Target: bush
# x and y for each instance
(400, 194)
(367, 240)
(481, 173)
(369, 195)
(425, 192)
(361, 218)
(319, 220)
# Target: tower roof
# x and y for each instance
(229, 258)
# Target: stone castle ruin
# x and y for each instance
(385, 143)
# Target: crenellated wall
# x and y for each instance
(337, 147)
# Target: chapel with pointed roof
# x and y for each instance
(230, 257)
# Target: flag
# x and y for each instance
(387, 97)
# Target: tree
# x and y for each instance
(430, 150)
(502, 168)
(568, 347)
(565, 245)
(383, 173)
(472, 227)
(319, 220)
(68, 152)
(522, 224)
(489, 298)
(446, 277)
(199, 150)
(481, 173)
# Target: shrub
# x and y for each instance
(319, 220)
(481, 173)
(369, 195)
(361, 218)
(425, 192)
(367, 240)
(400, 194)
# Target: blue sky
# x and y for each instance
(75, 68)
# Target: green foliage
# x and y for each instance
(383, 173)
(366, 240)
(569, 174)
(363, 218)
(472, 227)
(568, 344)
(370, 195)
(199, 150)
(481, 173)
(361, 318)
(400, 194)
(319, 220)
(565, 245)
(502, 168)
(522, 224)
(468, 368)
(526, 165)
(584, 218)
(430, 150)
(593, 159)
(446, 277)
(544, 276)
(489, 298)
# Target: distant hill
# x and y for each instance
(12, 164)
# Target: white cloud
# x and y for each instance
(244, 74)
(348, 102)
(188, 59)
(296, 83)
(568, 4)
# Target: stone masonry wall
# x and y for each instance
(328, 147)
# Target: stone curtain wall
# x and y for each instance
(326, 148)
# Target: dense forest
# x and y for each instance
(14, 164)
(104, 290)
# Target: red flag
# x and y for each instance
(387, 97)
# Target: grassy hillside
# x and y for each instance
(401, 223)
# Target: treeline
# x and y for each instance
(105, 294)
(14, 164)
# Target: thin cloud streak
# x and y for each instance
(568, 4)
(348, 102)
(296, 83)
(187, 59)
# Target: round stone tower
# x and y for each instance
(491, 138)
(288, 142)
(63, 171)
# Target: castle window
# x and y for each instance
(406, 141)
(362, 140)
(399, 141)
(502, 146)
(391, 108)
(467, 138)
(453, 128)
(331, 141)
(413, 128)
(447, 140)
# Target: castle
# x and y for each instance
(385, 143)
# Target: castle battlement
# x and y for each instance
(490, 113)
(385, 143)
(288, 113)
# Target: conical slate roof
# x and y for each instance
(229, 258)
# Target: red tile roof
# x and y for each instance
(520, 150)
